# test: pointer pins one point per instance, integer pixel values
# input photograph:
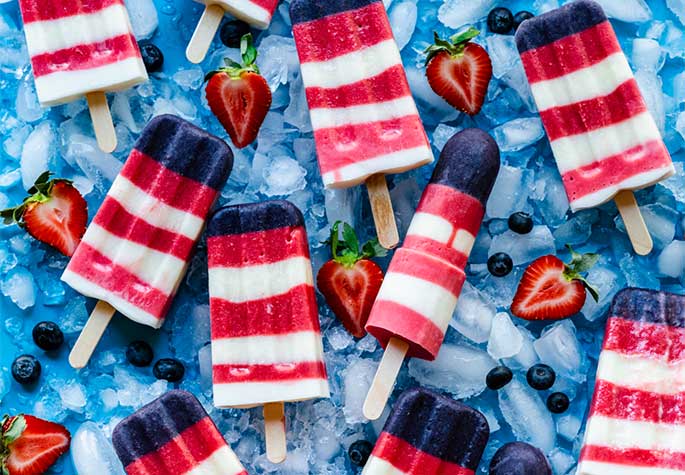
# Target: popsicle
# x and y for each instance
(519, 458)
(257, 13)
(136, 250)
(82, 47)
(637, 417)
(364, 117)
(420, 289)
(173, 435)
(429, 434)
(603, 137)
(266, 340)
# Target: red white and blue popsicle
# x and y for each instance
(173, 435)
(364, 118)
(603, 137)
(424, 279)
(266, 340)
(636, 424)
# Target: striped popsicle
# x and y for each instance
(636, 424)
(137, 247)
(173, 435)
(603, 137)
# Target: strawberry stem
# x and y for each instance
(346, 251)
(581, 263)
(248, 53)
(454, 45)
(38, 193)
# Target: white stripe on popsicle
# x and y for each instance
(622, 433)
(576, 151)
(235, 394)
(336, 72)
(378, 466)
(244, 284)
(587, 83)
(220, 461)
(296, 347)
(65, 86)
(430, 226)
(600, 468)
(153, 211)
(86, 28)
(641, 373)
(323, 118)
(160, 270)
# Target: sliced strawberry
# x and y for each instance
(29, 445)
(550, 289)
(239, 96)
(459, 71)
(54, 213)
(350, 281)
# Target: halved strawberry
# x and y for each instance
(29, 445)
(459, 71)
(350, 281)
(54, 213)
(550, 289)
(239, 96)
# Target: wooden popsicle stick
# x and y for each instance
(102, 121)
(635, 224)
(91, 334)
(383, 214)
(274, 431)
(384, 381)
(204, 33)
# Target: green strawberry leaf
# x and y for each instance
(454, 46)
(346, 250)
(580, 264)
(464, 36)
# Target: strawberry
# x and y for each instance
(29, 446)
(239, 96)
(550, 289)
(54, 213)
(350, 281)
(459, 71)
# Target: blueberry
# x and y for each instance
(541, 377)
(47, 336)
(520, 17)
(26, 369)
(139, 353)
(152, 57)
(557, 403)
(519, 458)
(500, 264)
(500, 20)
(520, 222)
(232, 32)
(170, 369)
(498, 377)
(359, 452)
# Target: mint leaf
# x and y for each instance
(350, 238)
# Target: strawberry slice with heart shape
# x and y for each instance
(552, 290)
(239, 96)
(459, 71)
(29, 445)
(350, 281)
(54, 213)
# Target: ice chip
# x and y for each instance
(403, 18)
(473, 315)
(505, 339)
(92, 453)
(523, 248)
(20, 287)
(37, 153)
(144, 20)
(518, 134)
(559, 348)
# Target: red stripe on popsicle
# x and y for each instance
(278, 315)
(613, 170)
(411, 326)
(355, 143)
(86, 56)
(439, 250)
(37, 10)
(618, 402)
(328, 37)
(114, 218)
(634, 457)
(429, 268)
(581, 117)
(648, 340)
(182, 454)
(269, 5)
(234, 373)
(462, 210)
(388, 85)
(168, 186)
(262, 247)
(91, 265)
(412, 461)
(561, 57)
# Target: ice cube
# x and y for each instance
(144, 18)
(678, 9)
(647, 55)
(526, 357)
(529, 418)
(559, 348)
(357, 379)
(630, 11)
(204, 359)
(607, 280)
(518, 134)
(671, 261)
(651, 88)
(297, 112)
(403, 18)
(277, 60)
(92, 453)
(442, 134)
(339, 338)
(189, 79)
(342, 205)
(550, 196)
(73, 395)
(505, 339)
(503, 54)
(283, 176)
(510, 192)
(577, 229)
(675, 183)
(523, 248)
(562, 462)
(459, 369)
(457, 13)
(20, 287)
(38, 151)
(27, 106)
(660, 220)
(473, 315)
(4, 382)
